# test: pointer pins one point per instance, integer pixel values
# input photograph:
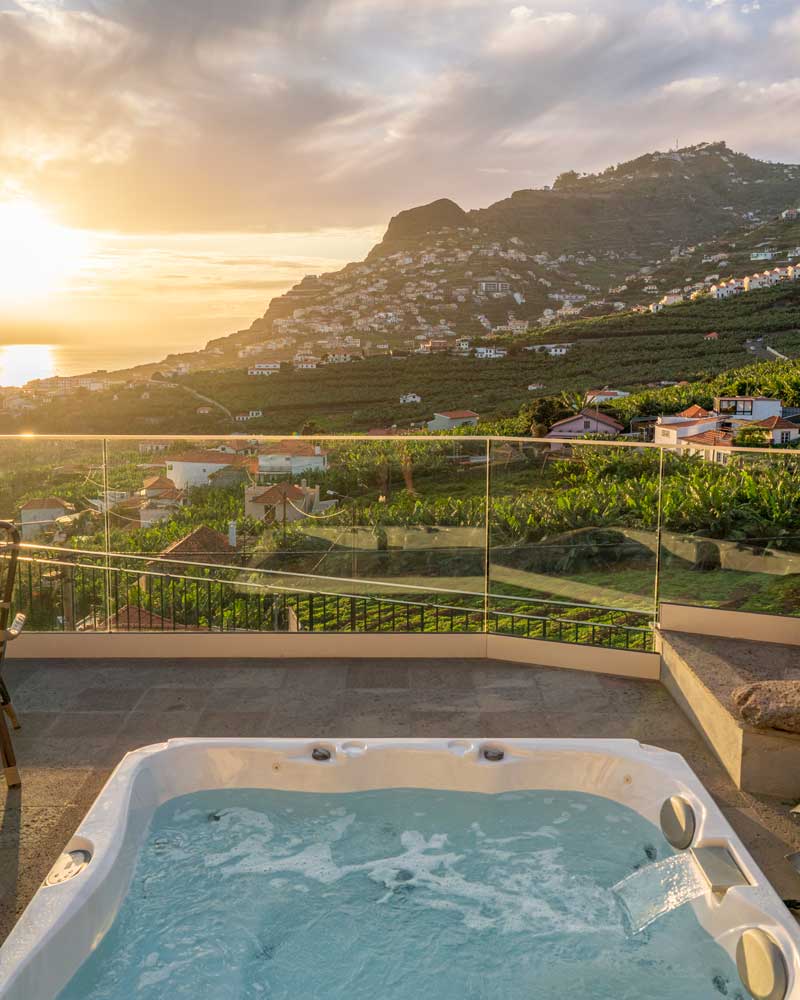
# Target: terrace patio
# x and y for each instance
(79, 717)
(517, 596)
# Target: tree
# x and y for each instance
(752, 437)
(566, 179)
(574, 401)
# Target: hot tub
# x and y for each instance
(365, 868)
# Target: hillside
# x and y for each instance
(631, 352)
(591, 245)
(577, 264)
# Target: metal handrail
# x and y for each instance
(371, 439)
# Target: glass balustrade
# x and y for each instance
(563, 541)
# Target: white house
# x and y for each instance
(292, 458)
(482, 353)
(778, 432)
(712, 445)
(410, 397)
(39, 515)
(586, 422)
(267, 368)
(755, 281)
(448, 419)
(284, 502)
(195, 468)
(156, 486)
(748, 407)
(535, 385)
(672, 427)
(762, 255)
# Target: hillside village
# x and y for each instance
(492, 287)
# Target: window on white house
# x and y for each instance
(785, 437)
(587, 424)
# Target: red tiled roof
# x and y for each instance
(46, 503)
(302, 448)
(722, 439)
(158, 483)
(205, 544)
(134, 619)
(276, 493)
(457, 414)
(776, 424)
(694, 411)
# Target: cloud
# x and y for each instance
(196, 115)
(694, 86)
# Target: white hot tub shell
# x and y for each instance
(65, 921)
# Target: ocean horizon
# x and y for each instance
(20, 363)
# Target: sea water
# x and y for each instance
(401, 894)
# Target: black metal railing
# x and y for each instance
(84, 592)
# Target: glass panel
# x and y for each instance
(389, 535)
(573, 542)
(731, 531)
(179, 534)
(294, 533)
(53, 489)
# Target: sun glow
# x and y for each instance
(19, 363)
(36, 253)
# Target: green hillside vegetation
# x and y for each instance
(776, 379)
(767, 311)
(640, 208)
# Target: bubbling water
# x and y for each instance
(254, 894)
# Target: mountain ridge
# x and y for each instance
(587, 245)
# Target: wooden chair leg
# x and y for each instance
(9, 759)
(8, 708)
(5, 703)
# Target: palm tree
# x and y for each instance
(574, 401)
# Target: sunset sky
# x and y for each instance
(168, 165)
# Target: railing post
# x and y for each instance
(487, 536)
(107, 536)
(657, 580)
(68, 597)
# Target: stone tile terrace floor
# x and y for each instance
(80, 718)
